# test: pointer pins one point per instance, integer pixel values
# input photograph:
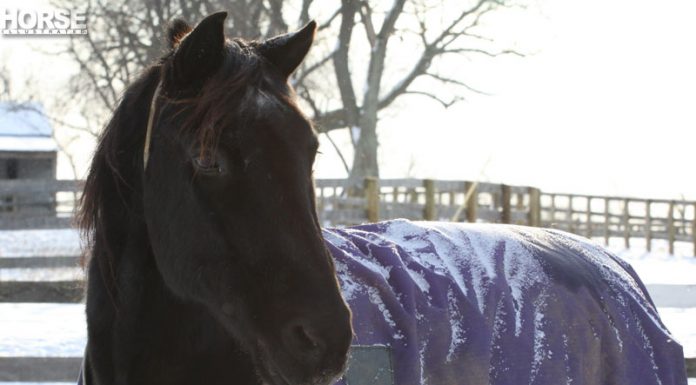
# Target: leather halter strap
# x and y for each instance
(150, 123)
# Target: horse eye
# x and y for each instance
(207, 163)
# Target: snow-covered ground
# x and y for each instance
(658, 266)
(682, 324)
(49, 243)
(54, 274)
(42, 329)
(72, 383)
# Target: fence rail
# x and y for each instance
(587, 215)
(38, 203)
(627, 218)
(50, 204)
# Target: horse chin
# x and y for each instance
(270, 377)
(269, 373)
(272, 373)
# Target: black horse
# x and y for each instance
(207, 263)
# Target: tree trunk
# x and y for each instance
(365, 160)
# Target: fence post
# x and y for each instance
(505, 196)
(648, 225)
(534, 207)
(607, 203)
(372, 197)
(671, 231)
(693, 230)
(569, 215)
(588, 215)
(413, 196)
(471, 196)
(429, 210)
(627, 226)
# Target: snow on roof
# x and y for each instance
(23, 127)
(27, 143)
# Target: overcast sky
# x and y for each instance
(605, 105)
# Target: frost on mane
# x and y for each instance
(499, 304)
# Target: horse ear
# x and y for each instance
(287, 51)
(178, 28)
(201, 51)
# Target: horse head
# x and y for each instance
(228, 201)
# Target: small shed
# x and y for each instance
(27, 151)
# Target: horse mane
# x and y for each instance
(113, 180)
(210, 109)
(111, 202)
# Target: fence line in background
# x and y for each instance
(51, 204)
(587, 215)
(38, 203)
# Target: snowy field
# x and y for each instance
(59, 329)
(659, 266)
(71, 383)
(49, 243)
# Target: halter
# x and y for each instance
(150, 122)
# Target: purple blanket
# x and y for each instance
(477, 304)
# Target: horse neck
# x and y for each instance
(136, 325)
(149, 326)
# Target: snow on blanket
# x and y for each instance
(495, 304)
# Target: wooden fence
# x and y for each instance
(620, 217)
(38, 203)
(53, 203)
(587, 215)
(426, 200)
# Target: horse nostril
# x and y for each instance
(318, 345)
(303, 340)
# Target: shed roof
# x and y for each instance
(24, 128)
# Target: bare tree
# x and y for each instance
(125, 36)
(438, 39)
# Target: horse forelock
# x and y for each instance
(233, 94)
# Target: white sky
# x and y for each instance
(606, 105)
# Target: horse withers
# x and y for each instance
(207, 262)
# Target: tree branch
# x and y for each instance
(339, 152)
(299, 78)
(304, 12)
(366, 17)
(445, 104)
(438, 46)
(330, 20)
(340, 60)
(483, 52)
(455, 82)
(390, 19)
